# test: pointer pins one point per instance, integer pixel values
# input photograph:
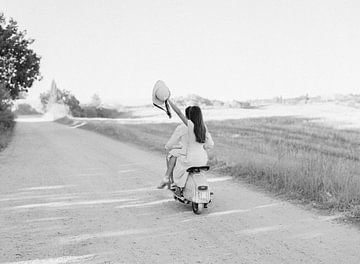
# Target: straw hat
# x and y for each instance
(161, 93)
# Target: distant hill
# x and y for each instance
(351, 100)
(194, 99)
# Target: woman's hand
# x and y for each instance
(178, 112)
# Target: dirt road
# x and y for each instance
(73, 196)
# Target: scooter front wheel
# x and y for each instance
(197, 207)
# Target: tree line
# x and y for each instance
(20, 68)
(65, 97)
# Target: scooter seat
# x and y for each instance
(198, 169)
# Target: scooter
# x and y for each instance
(196, 190)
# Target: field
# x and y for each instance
(294, 156)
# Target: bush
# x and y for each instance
(6, 120)
(25, 109)
(6, 116)
(108, 113)
(93, 112)
(89, 111)
(6, 127)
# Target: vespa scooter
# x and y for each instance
(196, 190)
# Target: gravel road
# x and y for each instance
(72, 196)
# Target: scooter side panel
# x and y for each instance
(189, 190)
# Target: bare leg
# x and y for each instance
(170, 168)
(170, 163)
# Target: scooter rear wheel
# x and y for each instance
(197, 208)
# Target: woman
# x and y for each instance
(176, 146)
(198, 141)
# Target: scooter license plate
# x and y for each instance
(203, 196)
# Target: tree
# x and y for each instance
(95, 101)
(44, 99)
(62, 97)
(5, 100)
(73, 103)
(19, 65)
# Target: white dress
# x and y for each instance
(178, 141)
(193, 154)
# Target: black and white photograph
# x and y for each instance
(179, 131)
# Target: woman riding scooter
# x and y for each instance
(198, 141)
(176, 147)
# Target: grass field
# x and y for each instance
(292, 156)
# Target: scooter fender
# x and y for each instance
(191, 191)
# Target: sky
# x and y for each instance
(227, 50)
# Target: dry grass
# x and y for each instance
(291, 156)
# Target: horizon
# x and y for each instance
(35, 102)
(234, 50)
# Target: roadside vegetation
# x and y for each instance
(25, 109)
(6, 118)
(6, 132)
(295, 157)
(19, 68)
(64, 97)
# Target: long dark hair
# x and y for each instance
(199, 126)
(187, 112)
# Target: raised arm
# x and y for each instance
(178, 112)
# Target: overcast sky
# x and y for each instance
(220, 49)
